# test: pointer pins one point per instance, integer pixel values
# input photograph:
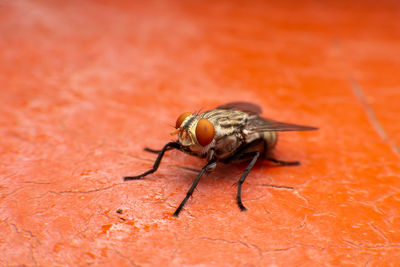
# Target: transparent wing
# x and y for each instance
(247, 107)
(259, 124)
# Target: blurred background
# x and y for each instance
(85, 85)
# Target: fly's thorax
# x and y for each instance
(226, 122)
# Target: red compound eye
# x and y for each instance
(181, 118)
(204, 132)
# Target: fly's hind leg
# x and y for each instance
(250, 151)
(255, 156)
(270, 139)
(284, 163)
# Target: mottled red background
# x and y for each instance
(85, 85)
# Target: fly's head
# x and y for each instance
(195, 132)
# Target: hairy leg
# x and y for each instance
(168, 146)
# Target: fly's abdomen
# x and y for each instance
(270, 139)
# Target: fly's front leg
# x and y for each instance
(170, 145)
(285, 163)
(241, 180)
(210, 166)
(156, 151)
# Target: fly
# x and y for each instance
(230, 133)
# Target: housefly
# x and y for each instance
(233, 132)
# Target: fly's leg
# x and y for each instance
(241, 181)
(170, 145)
(210, 165)
(156, 151)
(285, 163)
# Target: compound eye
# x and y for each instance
(181, 118)
(204, 132)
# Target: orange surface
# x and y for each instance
(85, 85)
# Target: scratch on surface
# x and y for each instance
(370, 204)
(379, 232)
(297, 193)
(368, 263)
(351, 244)
(357, 90)
(303, 222)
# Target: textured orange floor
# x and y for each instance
(85, 85)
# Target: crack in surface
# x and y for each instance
(86, 228)
(33, 255)
(84, 192)
(34, 241)
(132, 263)
(21, 231)
(358, 92)
(278, 186)
(260, 251)
(249, 246)
(36, 183)
(225, 241)
(372, 247)
(377, 247)
(279, 249)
